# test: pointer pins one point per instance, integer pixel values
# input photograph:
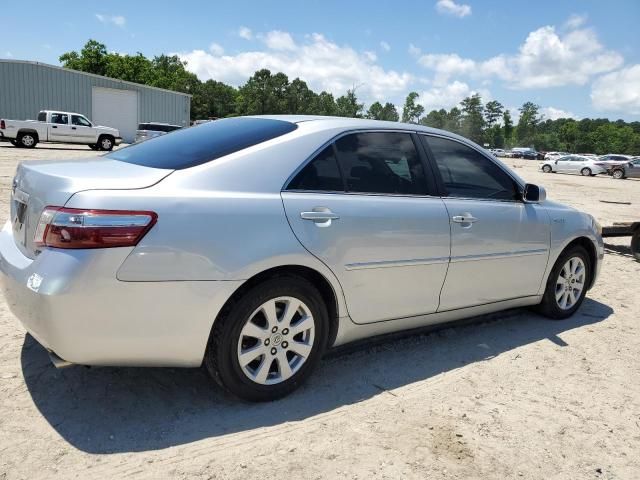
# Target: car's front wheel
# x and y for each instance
(269, 340)
(546, 169)
(586, 172)
(105, 143)
(567, 284)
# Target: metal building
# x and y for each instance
(28, 87)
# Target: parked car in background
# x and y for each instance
(555, 155)
(625, 170)
(573, 164)
(252, 244)
(498, 152)
(200, 122)
(532, 155)
(150, 130)
(611, 159)
(59, 127)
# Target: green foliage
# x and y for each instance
(379, 112)
(412, 111)
(267, 93)
(473, 120)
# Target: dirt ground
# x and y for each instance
(511, 396)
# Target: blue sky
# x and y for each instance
(574, 58)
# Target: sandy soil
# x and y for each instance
(511, 396)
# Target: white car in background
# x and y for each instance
(59, 127)
(555, 155)
(585, 166)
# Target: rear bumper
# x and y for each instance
(71, 302)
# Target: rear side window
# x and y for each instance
(320, 174)
(381, 162)
(193, 146)
(466, 173)
(61, 118)
(42, 117)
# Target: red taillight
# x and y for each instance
(2, 125)
(77, 228)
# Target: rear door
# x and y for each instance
(59, 128)
(499, 244)
(363, 207)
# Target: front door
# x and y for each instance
(362, 207)
(499, 244)
(82, 130)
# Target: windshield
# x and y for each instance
(193, 146)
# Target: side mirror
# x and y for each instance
(534, 193)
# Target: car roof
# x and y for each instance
(63, 111)
(320, 122)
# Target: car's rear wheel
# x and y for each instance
(567, 284)
(269, 340)
(546, 168)
(27, 140)
(586, 172)
(618, 174)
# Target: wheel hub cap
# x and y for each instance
(570, 283)
(276, 340)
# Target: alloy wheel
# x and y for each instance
(276, 340)
(27, 140)
(570, 283)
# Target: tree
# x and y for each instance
(379, 112)
(412, 111)
(527, 124)
(263, 94)
(454, 121)
(492, 112)
(435, 119)
(472, 119)
(300, 99)
(215, 100)
(324, 104)
(92, 58)
(348, 106)
(507, 127)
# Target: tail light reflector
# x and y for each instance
(61, 227)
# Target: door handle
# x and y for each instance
(464, 218)
(53, 126)
(73, 128)
(321, 216)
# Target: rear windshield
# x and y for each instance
(193, 146)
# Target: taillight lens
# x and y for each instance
(2, 125)
(61, 227)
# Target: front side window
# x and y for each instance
(80, 121)
(320, 174)
(381, 162)
(60, 118)
(466, 173)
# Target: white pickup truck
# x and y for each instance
(60, 127)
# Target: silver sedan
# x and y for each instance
(253, 244)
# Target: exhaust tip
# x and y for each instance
(57, 361)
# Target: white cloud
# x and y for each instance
(545, 59)
(385, 46)
(618, 91)
(575, 21)
(278, 40)
(371, 56)
(246, 33)
(324, 65)
(117, 20)
(216, 49)
(448, 96)
(450, 7)
(552, 113)
(414, 51)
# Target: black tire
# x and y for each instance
(618, 174)
(546, 168)
(14, 143)
(549, 306)
(221, 357)
(635, 245)
(585, 172)
(106, 142)
(27, 140)
(93, 146)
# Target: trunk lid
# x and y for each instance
(41, 183)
